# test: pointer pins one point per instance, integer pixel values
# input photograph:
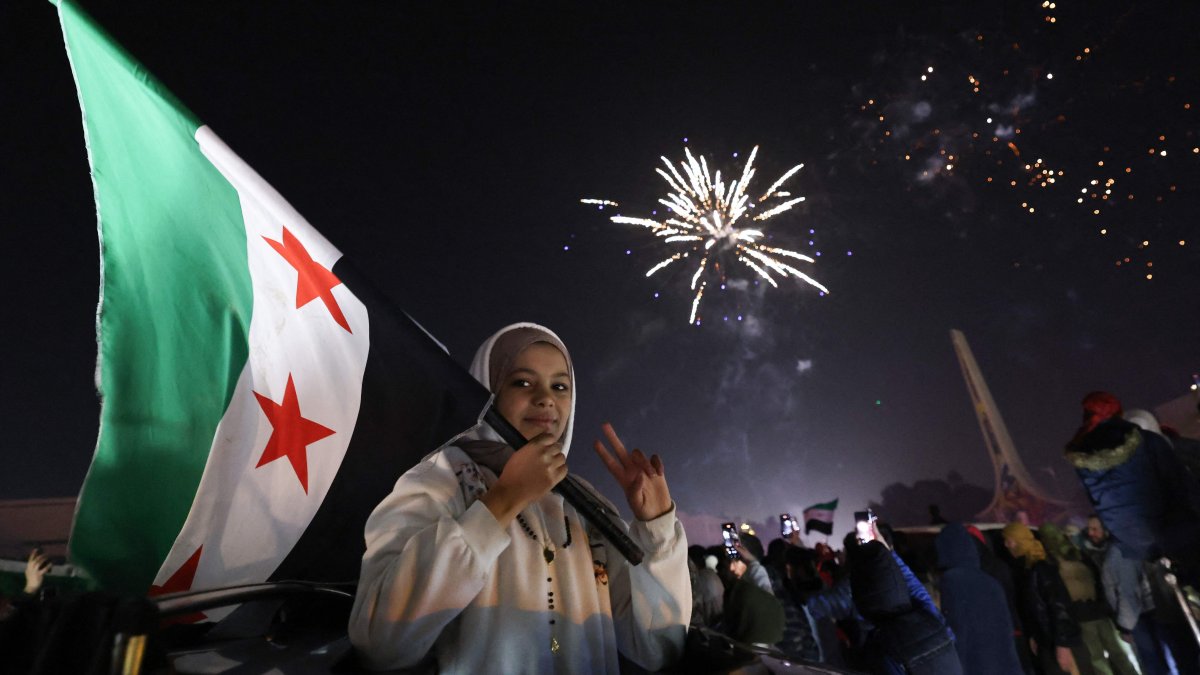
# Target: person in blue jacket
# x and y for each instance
(1142, 493)
(907, 639)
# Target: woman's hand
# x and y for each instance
(527, 476)
(641, 479)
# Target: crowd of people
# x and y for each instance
(1113, 597)
(473, 564)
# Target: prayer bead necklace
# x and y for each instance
(548, 554)
(547, 551)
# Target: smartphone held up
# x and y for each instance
(787, 525)
(864, 526)
(730, 536)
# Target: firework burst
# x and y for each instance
(713, 220)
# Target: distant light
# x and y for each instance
(878, 402)
(739, 317)
(930, 69)
(627, 252)
(989, 120)
(1195, 387)
(1049, 76)
(566, 248)
(849, 252)
(685, 141)
(656, 295)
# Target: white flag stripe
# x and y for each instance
(823, 515)
(249, 518)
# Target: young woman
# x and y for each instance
(474, 566)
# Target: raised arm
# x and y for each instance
(651, 602)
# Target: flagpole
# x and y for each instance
(574, 494)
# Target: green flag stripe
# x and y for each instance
(827, 506)
(174, 310)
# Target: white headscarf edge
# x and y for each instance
(480, 370)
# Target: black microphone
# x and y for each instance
(574, 494)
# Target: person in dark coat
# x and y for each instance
(752, 615)
(908, 639)
(799, 630)
(1002, 571)
(827, 607)
(1141, 491)
(975, 607)
(1044, 604)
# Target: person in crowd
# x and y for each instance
(1149, 616)
(935, 515)
(752, 615)
(1095, 542)
(829, 562)
(750, 550)
(1166, 635)
(1000, 570)
(1088, 608)
(918, 592)
(21, 617)
(1044, 604)
(799, 641)
(36, 568)
(473, 565)
(975, 606)
(1127, 590)
(708, 593)
(1146, 613)
(907, 639)
(1186, 449)
(826, 606)
(1142, 493)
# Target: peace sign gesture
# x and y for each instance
(641, 479)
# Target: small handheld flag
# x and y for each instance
(819, 517)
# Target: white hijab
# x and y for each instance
(491, 367)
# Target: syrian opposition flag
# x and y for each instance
(819, 517)
(258, 399)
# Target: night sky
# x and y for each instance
(444, 147)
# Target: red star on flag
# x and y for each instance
(181, 580)
(312, 280)
(291, 433)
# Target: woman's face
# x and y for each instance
(536, 396)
